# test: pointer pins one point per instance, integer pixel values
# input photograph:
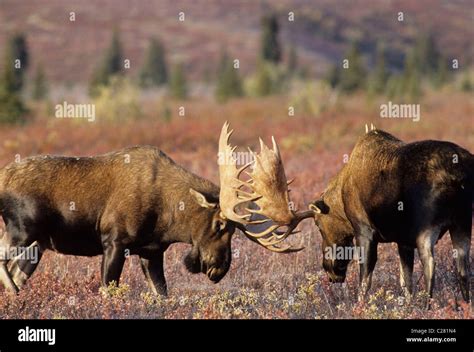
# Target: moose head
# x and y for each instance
(260, 201)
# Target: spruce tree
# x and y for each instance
(229, 83)
(263, 79)
(12, 109)
(177, 85)
(441, 75)
(412, 76)
(333, 76)
(270, 46)
(40, 87)
(379, 76)
(394, 86)
(353, 77)
(427, 54)
(292, 65)
(19, 57)
(466, 83)
(154, 71)
(112, 64)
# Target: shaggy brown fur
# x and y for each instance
(134, 201)
(410, 194)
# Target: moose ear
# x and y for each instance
(319, 207)
(219, 224)
(201, 199)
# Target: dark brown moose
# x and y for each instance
(410, 194)
(138, 201)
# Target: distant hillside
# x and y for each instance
(69, 51)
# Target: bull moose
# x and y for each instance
(138, 201)
(407, 193)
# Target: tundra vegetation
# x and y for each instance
(171, 84)
(259, 283)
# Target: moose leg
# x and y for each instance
(154, 273)
(5, 277)
(112, 263)
(22, 266)
(461, 239)
(16, 238)
(367, 260)
(407, 256)
(425, 244)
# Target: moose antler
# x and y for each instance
(229, 179)
(267, 188)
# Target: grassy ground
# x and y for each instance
(260, 284)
